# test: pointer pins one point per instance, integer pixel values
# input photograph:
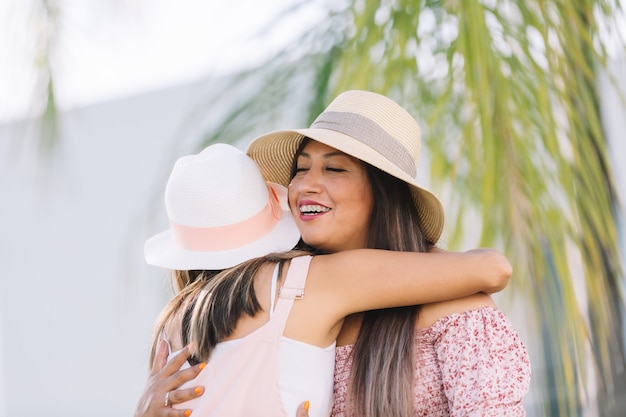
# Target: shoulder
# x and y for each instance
(484, 364)
(431, 313)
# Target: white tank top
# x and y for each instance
(306, 373)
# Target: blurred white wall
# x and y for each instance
(3, 411)
(614, 113)
(77, 301)
(614, 117)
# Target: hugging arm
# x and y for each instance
(164, 378)
(382, 279)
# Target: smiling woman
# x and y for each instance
(331, 191)
(363, 135)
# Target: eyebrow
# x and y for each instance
(326, 155)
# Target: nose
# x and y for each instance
(308, 182)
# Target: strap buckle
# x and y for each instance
(290, 292)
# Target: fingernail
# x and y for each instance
(202, 365)
(307, 404)
(198, 390)
(187, 413)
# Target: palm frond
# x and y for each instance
(506, 94)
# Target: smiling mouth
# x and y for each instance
(312, 209)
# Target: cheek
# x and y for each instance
(359, 204)
(366, 198)
(364, 215)
(291, 198)
(368, 209)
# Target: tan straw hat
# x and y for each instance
(367, 126)
(221, 213)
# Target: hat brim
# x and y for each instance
(274, 152)
(160, 250)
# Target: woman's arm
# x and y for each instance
(166, 377)
(367, 279)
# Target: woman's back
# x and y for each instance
(257, 366)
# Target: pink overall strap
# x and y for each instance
(292, 289)
(249, 371)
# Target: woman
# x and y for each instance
(393, 362)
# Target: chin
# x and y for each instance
(319, 244)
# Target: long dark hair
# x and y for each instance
(381, 380)
(210, 303)
(217, 305)
(185, 284)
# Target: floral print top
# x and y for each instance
(466, 364)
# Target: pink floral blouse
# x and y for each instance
(466, 364)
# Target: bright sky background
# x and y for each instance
(109, 49)
(113, 48)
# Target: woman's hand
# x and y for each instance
(499, 267)
(163, 381)
(303, 410)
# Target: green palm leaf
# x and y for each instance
(506, 94)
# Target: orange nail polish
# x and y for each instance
(198, 390)
(187, 413)
(202, 365)
(307, 404)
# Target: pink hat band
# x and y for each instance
(229, 236)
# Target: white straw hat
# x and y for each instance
(367, 126)
(221, 213)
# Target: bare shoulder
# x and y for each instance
(430, 313)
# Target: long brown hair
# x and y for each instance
(222, 301)
(184, 283)
(210, 303)
(381, 380)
